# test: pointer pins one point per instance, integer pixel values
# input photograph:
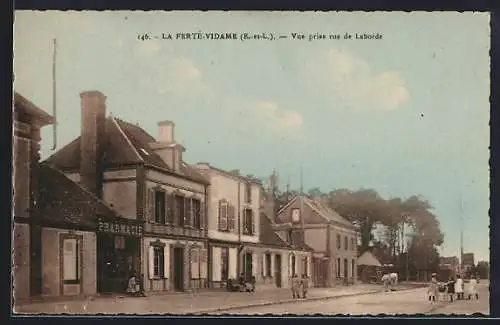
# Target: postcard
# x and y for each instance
(251, 163)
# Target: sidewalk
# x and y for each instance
(185, 303)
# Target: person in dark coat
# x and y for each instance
(451, 288)
(304, 285)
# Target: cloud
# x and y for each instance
(351, 80)
(275, 116)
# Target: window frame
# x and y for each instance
(196, 214)
(269, 261)
(158, 269)
(339, 241)
(248, 222)
(160, 216)
(223, 215)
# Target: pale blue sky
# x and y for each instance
(408, 114)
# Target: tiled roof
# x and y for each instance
(24, 106)
(125, 143)
(326, 212)
(269, 237)
(64, 201)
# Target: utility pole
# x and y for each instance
(461, 235)
(54, 111)
(301, 182)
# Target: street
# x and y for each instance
(390, 303)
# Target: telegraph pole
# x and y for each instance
(54, 111)
(461, 235)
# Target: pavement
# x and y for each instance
(195, 303)
(400, 302)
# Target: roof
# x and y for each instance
(126, 143)
(269, 237)
(242, 178)
(367, 258)
(64, 201)
(320, 209)
(26, 108)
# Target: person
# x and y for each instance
(304, 285)
(450, 288)
(250, 286)
(295, 286)
(459, 288)
(433, 289)
(241, 282)
(472, 291)
(385, 281)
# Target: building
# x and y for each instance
(55, 219)
(145, 180)
(449, 266)
(333, 238)
(240, 233)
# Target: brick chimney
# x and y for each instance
(166, 147)
(93, 105)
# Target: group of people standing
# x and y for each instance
(451, 288)
(300, 286)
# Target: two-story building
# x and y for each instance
(54, 240)
(242, 241)
(233, 208)
(145, 180)
(332, 237)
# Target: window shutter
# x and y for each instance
(216, 264)
(169, 206)
(290, 265)
(151, 205)
(231, 223)
(203, 263)
(264, 265)
(223, 215)
(166, 265)
(272, 265)
(151, 262)
(202, 215)
(195, 263)
(254, 264)
(308, 261)
(253, 223)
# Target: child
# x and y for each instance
(295, 286)
(459, 288)
(433, 289)
(472, 288)
(304, 285)
(451, 288)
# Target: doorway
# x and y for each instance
(277, 270)
(248, 266)
(346, 269)
(178, 268)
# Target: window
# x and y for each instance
(231, 218)
(223, 211)
(196, 213)
(160, 207)
(71, 260)
(159, 261)
(267, 270)
(338, 268)
(248, 222)
(306, 265)
(339, 244)
(179, 210)
(248, 192)
(346, 243)
(353, 244)
(292, 265)
(224, 263)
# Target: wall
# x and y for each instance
(351, 253)
(21, 176)
(51, 270)
(120, 190)
(21, 261)
(172, 181)
(316, 238)
(166, 284)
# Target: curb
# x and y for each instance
(295, 301)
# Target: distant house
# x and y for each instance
(145, 180)
(332, 237)
(368, 265)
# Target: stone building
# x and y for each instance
(241, 239)
(332, 237)
(145, 180)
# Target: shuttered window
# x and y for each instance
(223, 213)
(231, 218)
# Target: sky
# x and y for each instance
(406, 115)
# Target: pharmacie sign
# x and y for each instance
(119, 228)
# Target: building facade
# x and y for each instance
(145, 180)
(333, 239)
(233, 208)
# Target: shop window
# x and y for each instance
(71, 260)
